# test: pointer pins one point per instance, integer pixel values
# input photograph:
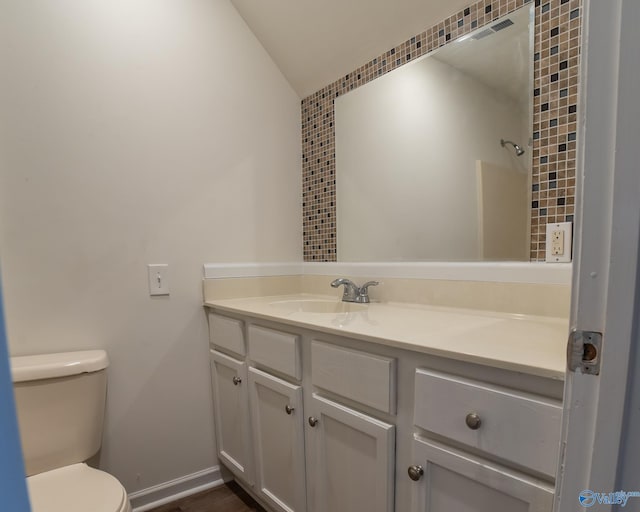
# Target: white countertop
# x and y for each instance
(533, 345)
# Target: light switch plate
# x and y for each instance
(158, 278)
(559, 242)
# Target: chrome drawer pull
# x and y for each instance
(288, 409)
(236, 381)
(473, 421)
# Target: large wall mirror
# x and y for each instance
(433, 160)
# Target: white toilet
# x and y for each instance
(60, 399)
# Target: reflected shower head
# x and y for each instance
(519, 150)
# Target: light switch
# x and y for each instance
(158, 279)
(558, 242)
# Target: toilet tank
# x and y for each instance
(60, 401)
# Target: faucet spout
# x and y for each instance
(351, 291)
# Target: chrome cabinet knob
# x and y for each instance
(236, 381)
(473, 421)
(415, 472)
(313, 421)
(288, 409)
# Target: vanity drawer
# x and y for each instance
(278, 351)
(366, 378)
(227, 333)
(520, 428)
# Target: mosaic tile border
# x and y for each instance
(556, 74)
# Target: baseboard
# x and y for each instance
(164, 493)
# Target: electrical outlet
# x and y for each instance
(559, 242)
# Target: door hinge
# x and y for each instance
(583, 351)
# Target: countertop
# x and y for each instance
(534, 345)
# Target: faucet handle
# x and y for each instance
(363, 295)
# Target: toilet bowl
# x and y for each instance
(76, 488)
(60, 401)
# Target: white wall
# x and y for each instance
(406, 151)
(135, 132)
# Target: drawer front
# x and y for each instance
(227, 333)
(365, 378)
(275, 350)
(519, 428)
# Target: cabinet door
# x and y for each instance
(231, 414)
(353, 459)
(449, 480)
(278, 434)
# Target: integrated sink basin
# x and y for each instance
(317, 306)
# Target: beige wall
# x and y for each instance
(135, 132)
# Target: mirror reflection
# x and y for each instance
(433, 159)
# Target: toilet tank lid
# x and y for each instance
(50, 366)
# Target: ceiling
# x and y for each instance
(315, 42)
(502, 60)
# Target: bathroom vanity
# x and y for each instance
(322, 405)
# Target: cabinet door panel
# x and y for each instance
(279, 441)
(457, 481)
(231, 414)
(354, 460)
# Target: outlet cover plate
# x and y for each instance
(559, 252)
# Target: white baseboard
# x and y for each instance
(164, 493)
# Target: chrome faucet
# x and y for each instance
(353, 293)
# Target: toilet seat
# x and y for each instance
(76, 488)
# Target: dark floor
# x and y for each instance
(227, 498)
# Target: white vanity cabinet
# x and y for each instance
(258, 415)
(483, 422)
(352, 453)
(316, 422)
(277, 416)
(230, 395)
